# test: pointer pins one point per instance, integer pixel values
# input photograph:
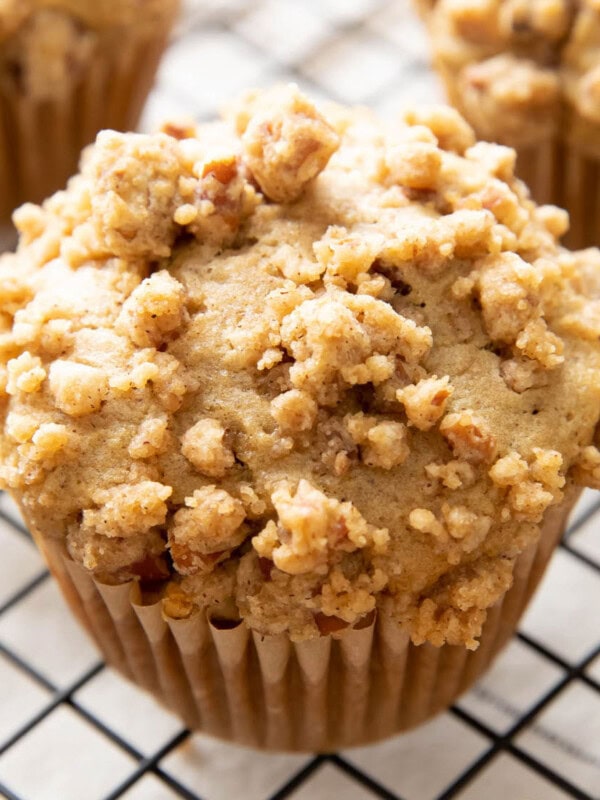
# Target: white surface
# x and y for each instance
(219, 771)
(21, 699)
(150, 788)
(566, 737)
(508, 779)
(561, 616)
(586, 539)
(517, 681)
(64, 758)
(41, 630)
(420, 764)
(128, 711)
(20, 563)
(329, 781)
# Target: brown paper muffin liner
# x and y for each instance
(41, 140)
(562, 174)
(352, 688)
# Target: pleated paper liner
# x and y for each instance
(352, 688)
(41, 140)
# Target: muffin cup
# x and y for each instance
(352, 688)
(563, 174)
(41, 139)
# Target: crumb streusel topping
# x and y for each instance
(293, 367)
(516, 62)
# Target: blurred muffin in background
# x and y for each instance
(69, 68)
(526, 73)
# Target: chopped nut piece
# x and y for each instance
(521, 374)
(311, 528)
(469, 437)
(206, 530)
(183, 129)
(425, 402)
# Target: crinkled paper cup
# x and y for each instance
(41, 139)
(563, 174)
(356, 687)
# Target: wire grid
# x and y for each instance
(371, 52)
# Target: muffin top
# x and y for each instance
(293, 367)
(517, 60)
(46, 44)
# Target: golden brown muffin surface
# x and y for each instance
(299, 367)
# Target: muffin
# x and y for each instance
(527, 74)
(69, 68)
(296, 405)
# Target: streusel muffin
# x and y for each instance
(295, 405)
(69, 68)
(526, 73)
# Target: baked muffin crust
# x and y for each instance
(296, 367)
